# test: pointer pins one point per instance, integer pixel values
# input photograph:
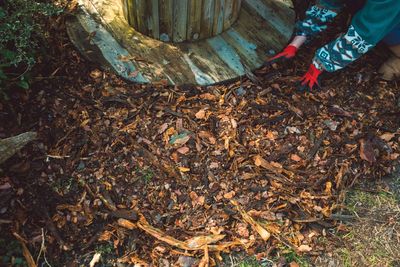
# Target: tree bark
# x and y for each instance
(11, 145)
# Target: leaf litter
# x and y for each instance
(171, 174)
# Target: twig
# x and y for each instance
(105, 201)
(42, 250)
(317, 145)
(57, 157)
(65, 136)
(94, 238)
(52, 228)
(342, 217)
(25, 251)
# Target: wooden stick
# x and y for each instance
(11, 145)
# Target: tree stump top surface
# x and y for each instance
(262, 29)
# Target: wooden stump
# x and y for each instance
(196, 42)
(181, 20)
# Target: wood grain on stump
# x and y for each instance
(181, 20)
(260, 29)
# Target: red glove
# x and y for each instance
(287, 53)
(310, 79)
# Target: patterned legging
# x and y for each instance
(377, 20)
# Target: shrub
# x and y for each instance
(20, 35)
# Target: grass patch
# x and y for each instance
(284, 256)
(373, 239)
(107, 252)
(249, 262)
(292, 256)
(146, 174)
(345, 256)
(359, 199)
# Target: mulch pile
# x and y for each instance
(181, 175)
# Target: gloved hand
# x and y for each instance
(287, 53)
(310, 79)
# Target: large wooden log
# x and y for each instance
(11, 145)
(258, 29)
(181, 20)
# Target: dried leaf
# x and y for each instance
(295, 157)
(296, 110)
(265, 235)
(160, 235)
(183, 150)
(201, 241)
(248, 176)
(163, 128)
(179, 139)
(340, 174)
(205, 261)
(135, 260)
(127, 224)
(272, 135)
(242, 230)
(394, 156)
(96, 259)
(196, 200)
(367, 151)
(332, 125)
(209, 136)
(273, 228)
(208, 96)
(226, 245)
(229, 195)
(304, 248)
(184, 169)
(201, 114)
(72, 208)
(214, 165)
(5, 186)
(336, 110)
(328, 188)
(274, 167)
(387, 136)
(168, 133)
(105, 236)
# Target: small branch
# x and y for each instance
(317, 145)
(11, 145)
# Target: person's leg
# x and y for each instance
(368, 27)
(391, 68)
(317, 19)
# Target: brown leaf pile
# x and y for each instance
(184, 174)
(197, 163)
